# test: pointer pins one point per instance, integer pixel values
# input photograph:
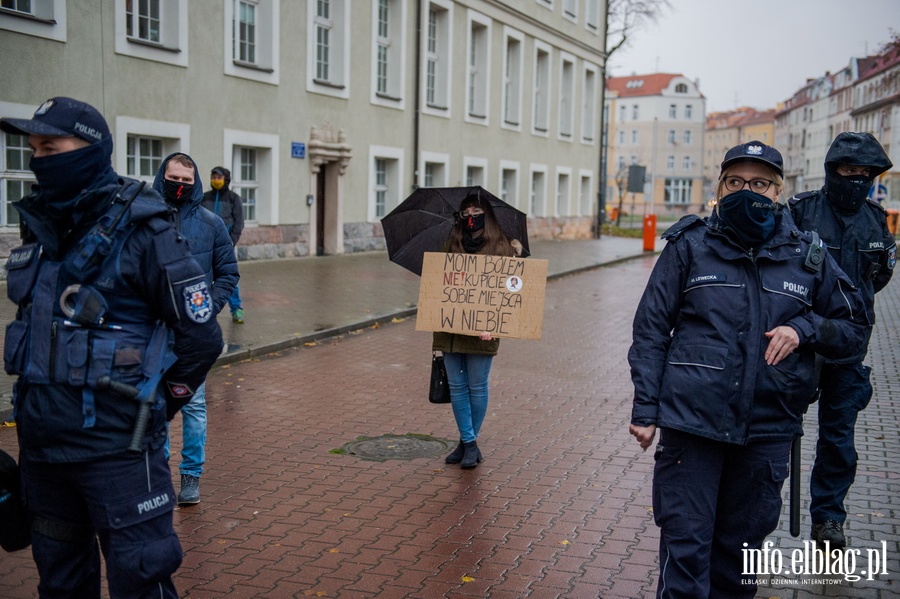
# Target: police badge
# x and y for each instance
(197, 302)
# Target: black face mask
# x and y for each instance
(473, 223)
(62, 177)
(177, 192)
(846, 194)
(750, 217)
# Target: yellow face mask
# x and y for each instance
(217, 184)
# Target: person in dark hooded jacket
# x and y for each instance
(723, 363)
(222, 201)
(178, 180)
(855, 231)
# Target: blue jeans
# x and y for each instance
(234, 301)
(846, 392)
(711, 500)
(467, 375)
(193, 425)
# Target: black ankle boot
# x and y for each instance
(457, 455)
(471, 455)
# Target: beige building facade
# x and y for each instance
(328, 112)
(724, 130)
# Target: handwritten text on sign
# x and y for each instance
(473, 293)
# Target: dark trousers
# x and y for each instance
(123, 504)
(846, 392)
(712, 501)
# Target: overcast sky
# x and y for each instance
(756, 52)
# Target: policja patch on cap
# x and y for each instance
(755, 151)
(61, 117)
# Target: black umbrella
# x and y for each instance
(423, 222)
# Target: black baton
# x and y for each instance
(140, 424)
(795, 486)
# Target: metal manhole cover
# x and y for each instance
(396, 447)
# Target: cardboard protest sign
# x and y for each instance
(473, 293)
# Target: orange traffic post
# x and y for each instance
(649, 232)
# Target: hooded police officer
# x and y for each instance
(114, 332)
(855, 231)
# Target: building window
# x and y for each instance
(142, 19)
(541, 88)
(384, 187)
(329, 47)
(686, 163)
(478, 68)
(538, 192)
(592, 14)
(681, 88)
(584, 195)
(678, 191)
(673, 111)
(437, 57)
(253, 34)
(387, 52)
(688, 111)
(566, 97)
(588, 104)
(621, 137)
(687, 137)
(16, 178)
(245, 32)
(634, 137)
(381, 186)
(474, 176)
(671, 136)
(621, 163)
(22, 6)
(635, 112)
(144, 156)
(509, 185)
(562, 194)
(670, 162)
(245, 179)
(512, 81)
(623, 113)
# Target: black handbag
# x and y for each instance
(440, 389)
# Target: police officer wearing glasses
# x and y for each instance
(855, 231)
(114, 332)
(723, 363)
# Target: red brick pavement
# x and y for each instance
(559, 508)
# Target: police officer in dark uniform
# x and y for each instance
(855, 231)
(114, 331)
(723, 363)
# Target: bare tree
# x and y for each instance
(625, 16)
(621, 184)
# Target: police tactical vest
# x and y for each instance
(78, 320)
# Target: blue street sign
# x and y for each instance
(298, 149)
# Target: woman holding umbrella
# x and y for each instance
(468, 358)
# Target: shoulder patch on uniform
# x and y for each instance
(21, 256)
(180, 390)
(892, 257)
(198, 302)
(685, 223)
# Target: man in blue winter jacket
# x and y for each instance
(109, 299)
(178, 180)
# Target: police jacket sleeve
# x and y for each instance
(180, 291)
(224, 265)
(651, 331)
(888, 260)
(837, 325)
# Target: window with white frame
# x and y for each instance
(688, 111)
(38, 18)
(144, 155)
(588, 103)
(388, 59)
(678, 191)
(635, 112)
(152, 30)
(478, 69)
(621, 137)
(623, 113)
(621, 163)
(384, 176)
(509, 183)
(670, 137)
(245, 179)
(328, 45)
(541, 88)
(670, 162)
(437, 57)
(475, 172)
(634, 137)
(673, 111)
(584, 194)
(681, 88)
(16, 178)
(592, 14)
(570, 9)
(687, 137)
(562, 192)
(254, 161)
(142, 20)
(433, 169)
(512, 79)
(686, 163)
(538, 191)
(566, 97)
(634, 159)
(252, 31)
(432, 174)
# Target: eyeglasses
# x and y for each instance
(471, 212)
(756, 185)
